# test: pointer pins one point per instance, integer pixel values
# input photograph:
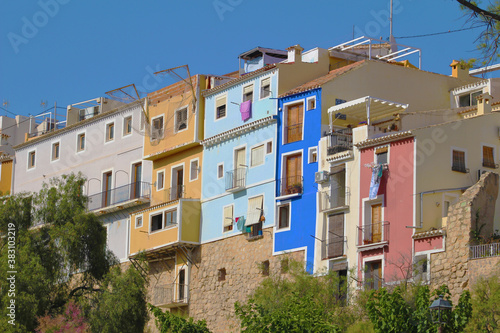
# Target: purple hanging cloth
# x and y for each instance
(246, 110)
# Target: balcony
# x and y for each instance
(293, 133)
(372, 236)
(290, 185)
(333, 247)
(121, 197)
(175, 192)
(335, 199)
(236, 179)
(339, 141)
(170, 295)
(484, 251)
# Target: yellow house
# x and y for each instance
(169, 230)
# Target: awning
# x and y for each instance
(364, 109)
(254, 211)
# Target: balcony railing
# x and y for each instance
(293, 132)
(339, 141)
(484, 251)
(373, 233)
(335, 198)
(236, 179)
(290, 185)
(122, 194)
(170, 294)
(333, 247)
(175, 192)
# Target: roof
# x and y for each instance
(256, 50)
(245, 77)
(317, 83)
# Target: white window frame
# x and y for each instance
(285, 117)
(162, 128)
(371, 259)
(158, 188)
(243, 94)
(106, 127)
(215, 106)
(264, 147)
(52, 159)
(190, 169)
(278, 205)
(217, 171)
(367, 213)
(310, 152)
(142, 221)
(187, 118)
(308, 99)
(283, 159)
(223, 208)
(260, 88)
(263, 205)
(78, 150)
(272, 146)
(124, 134)
(375, 155)
(162, 212)
(470, 93)
(33, 167)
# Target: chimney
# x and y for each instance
(295, 53)
(458, 70)
(484, 103)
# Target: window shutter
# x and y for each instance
(220, 101)
(247, 90)
(335, 240)
(258, 155)
(228, 216)
(254, 211)
(266, 82)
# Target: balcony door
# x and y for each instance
(335, 239)
(293, 174)
(177, 190)
(106, 188)
(240, 163)
(376, 228)
(182, 284)
(373, 275)
(136, 181)
(295, 114)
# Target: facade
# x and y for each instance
(107, 149)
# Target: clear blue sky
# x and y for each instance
(78, 50)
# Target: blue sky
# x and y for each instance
(68, 51)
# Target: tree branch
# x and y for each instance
(479, 11)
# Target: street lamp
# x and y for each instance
(438, 308)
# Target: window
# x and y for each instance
(311, 103)
(127, 125)
(31, 159)
(269, 148)
(248, 93)
(253, 221)
(170, 217)
(138, 222)
(294, 116)
(292, 181)
(458, 163)
(420, 268)
(228, 218)
(110, 132)
(193, 170)
(156, 222)
(284, 216)
(160, 180)
(220, 107)
(265, 268)
(81, 142)
(220, 171)
(488, 157)
(335, 236)
(373, 275)
(157, 128)
(469, 99)
(55, 151)
(257, 156)
(181, 119)
(265, 88)
(222, 274)
(382, 155)
(313, 155)
(339, 101)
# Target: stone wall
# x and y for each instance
(476, 204)
(242, 259)
(483, 267)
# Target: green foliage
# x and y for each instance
(485, 303)
(298, 302)
(170, 323)
(361, 327)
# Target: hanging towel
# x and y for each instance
(375, 182)
(246, 110)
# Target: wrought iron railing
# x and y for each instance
(175, 192)
(173, 293)
(484, 251)
(236, 179)
(335, 198)
(373, 233)
(333, 247)
(290, 185)
(121, 194)
(339, 141)
(293, 132)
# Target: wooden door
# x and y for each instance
(136, 181)
(373, 274)
(180, 182)
(376, 223)
(294, 122)
(293, 173)
(106, 198)
(182, 284)
(335, 239)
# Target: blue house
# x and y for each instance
(299, 131)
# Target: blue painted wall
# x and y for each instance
(303, 207)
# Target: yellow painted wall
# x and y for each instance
(6, 177)
(191, 211)
(293, 75)
(192, 188)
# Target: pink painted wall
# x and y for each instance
(430, 243)
(397, 187)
